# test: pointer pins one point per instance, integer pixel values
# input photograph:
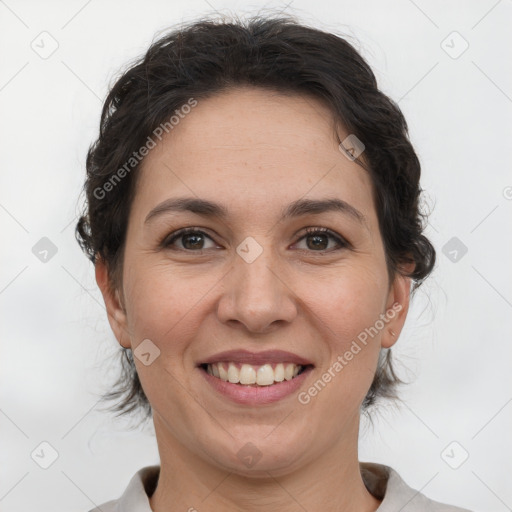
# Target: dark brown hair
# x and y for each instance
(208, 56)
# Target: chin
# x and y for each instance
(257, 456)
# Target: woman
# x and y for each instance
(253, 218)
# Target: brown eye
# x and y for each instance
(317, 239)
(190, 239)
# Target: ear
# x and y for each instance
(397, 307)
(115, 309)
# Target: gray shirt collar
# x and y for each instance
(382, 481)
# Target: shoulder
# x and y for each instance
(135, 496)
(386, 484)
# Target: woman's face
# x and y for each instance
(254, 280)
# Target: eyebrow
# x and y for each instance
(299, 207)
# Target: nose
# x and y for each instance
(257, 296)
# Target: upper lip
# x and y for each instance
(256, 358)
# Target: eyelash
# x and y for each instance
(169, 240)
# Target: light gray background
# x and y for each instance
(56, 343)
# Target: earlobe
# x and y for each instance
(396, 310)
(113, 304)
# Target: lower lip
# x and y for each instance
(256, 395)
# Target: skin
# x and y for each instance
(254, 152)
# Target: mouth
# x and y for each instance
(255, 378)
(245, 374)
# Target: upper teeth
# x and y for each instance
(249, 374)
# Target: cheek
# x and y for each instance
(171, 306)
(161, 306)
(345, 315)
(347, 303)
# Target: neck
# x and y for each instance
(330, 483)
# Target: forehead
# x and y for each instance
(238, 120)
(253, 147)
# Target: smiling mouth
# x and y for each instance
(254, 375)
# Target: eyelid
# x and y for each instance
(172, 237)
(310, 230)
(341, 241)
